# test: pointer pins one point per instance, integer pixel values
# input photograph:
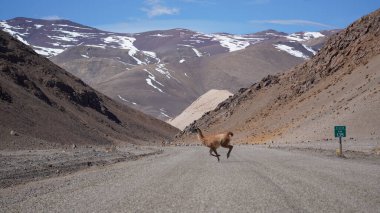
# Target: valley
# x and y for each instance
(162, 72)
(98, 121)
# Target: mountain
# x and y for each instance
(42, 102)
(162, 72)
(338, 86)
(203, 104)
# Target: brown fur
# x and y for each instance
(216, 141)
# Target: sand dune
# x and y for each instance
(203, 104)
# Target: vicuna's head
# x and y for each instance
(199, 132)
(195, 130)
(230, 134)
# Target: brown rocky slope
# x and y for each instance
(45, 105)
(338, 86)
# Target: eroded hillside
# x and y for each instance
(45, 105)
(340, 85)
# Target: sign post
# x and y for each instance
(340, 131)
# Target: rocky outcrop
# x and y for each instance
(83, 98)
(4, 95)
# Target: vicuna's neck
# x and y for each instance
(200, 135)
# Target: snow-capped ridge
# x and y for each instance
(304, 36)
(290, 50)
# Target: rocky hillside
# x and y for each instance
(163, 72)
(338, 86)
(43, 105)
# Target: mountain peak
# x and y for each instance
(270, 31)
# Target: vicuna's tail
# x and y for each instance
(230, 134)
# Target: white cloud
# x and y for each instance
(292, 22)
(158, 10)
(155, 8)
(54, 17)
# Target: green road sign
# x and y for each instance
(340, 131)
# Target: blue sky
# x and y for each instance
(208, 16)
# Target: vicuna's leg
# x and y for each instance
(229, 151)
(230, 147)
(217, 155)
(211, 150)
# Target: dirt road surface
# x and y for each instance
(188, 179)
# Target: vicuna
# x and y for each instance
(215, 141)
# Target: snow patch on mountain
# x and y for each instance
(9, 29)
(57, 44)
(149, 82)
(124, 42)
(290, 50)
(309, 49)
(163, 112)
(48, 52)
(163, 70)
(272, 34)
(161, 35)
(304, 36)
(294, 37)
(232, 43)
(38, 26)
(93, 45)
(71, 34)
(199, 54)
(151, 76)
(309, 35)
(151, 54)
(181, 61)
(185, 45)
(123, 99)
(63, 38)
(21, 39)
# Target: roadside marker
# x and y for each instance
(340, 131)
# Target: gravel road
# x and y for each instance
(188, 179)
